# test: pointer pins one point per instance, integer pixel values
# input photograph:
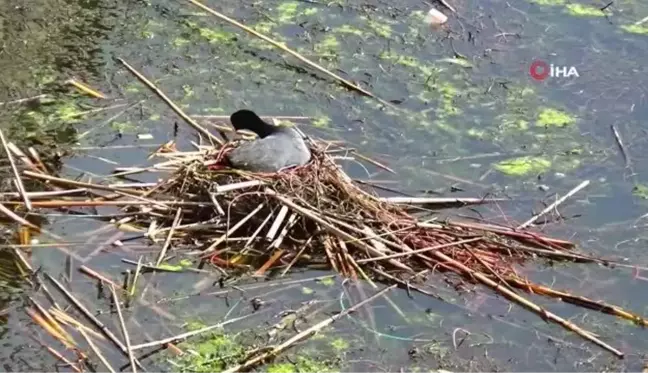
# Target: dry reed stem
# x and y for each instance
(26, 99)
(336, 231)
(23, 261)
(374, 162)
(124, 330)
(96, 350)
(91, 203)
(59, 356)
(14, 169)
(96, 275)
(136, 275)
(297, 256)
(52, 321)
(171, 104)
(284, 48)
(544, 314)
(66, 319)
(440, 200)
(167, 242)
(554, 205)
(94, 320)
(292, 220)
(53, 332)
(183, 336)
(23, 157)
(232, 230)
(423, 250)
(272, 232)
(564, 296)
(86, 89)
(53, 193)
(80, 184)
(273, 258)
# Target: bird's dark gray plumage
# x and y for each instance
(275, 149)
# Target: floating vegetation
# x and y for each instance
(552, 117)
(581, 10)
(523, 166)
(636, 29)
(641, 191)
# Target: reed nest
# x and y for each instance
(318, 212)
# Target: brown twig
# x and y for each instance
(91, 318)
(173, 106)
(19, 183)
(167, 242)
(96, 350)
(546, 315)
(284, 48)
(123, 328)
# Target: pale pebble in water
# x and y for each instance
(435, 17)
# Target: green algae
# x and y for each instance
(123, 127)
(264, 27)
(640, 190)
(339, 344)
(302, 364)
(552, 117)
(523, 166)
(328, 45)
(287, 11)
(150, 29)
(403, 60)
(327, 281)
(477, 133)
(182, 264)
(49, 124)
(180, 42)
(306, 290)
(348, 29)
(448, 95)
(381, 29)
(211, 353)
(68, 111)
(322, 122)
(635, 29)
(215, 36)
(580, 10)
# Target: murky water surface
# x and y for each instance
(470, 120)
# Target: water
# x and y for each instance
(467, 108)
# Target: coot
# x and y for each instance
(275, 149)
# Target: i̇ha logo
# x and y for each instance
(540, 70)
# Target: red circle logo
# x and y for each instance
(539, 70)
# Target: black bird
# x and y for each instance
(276, 148)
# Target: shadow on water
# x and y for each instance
(471, 121)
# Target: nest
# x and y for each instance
(317, 213)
